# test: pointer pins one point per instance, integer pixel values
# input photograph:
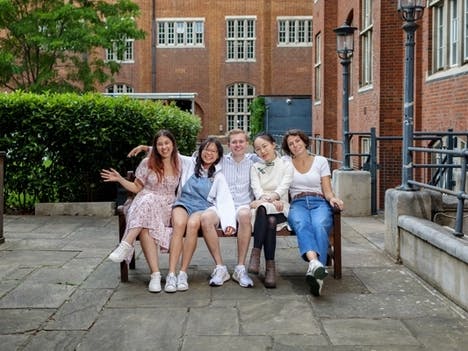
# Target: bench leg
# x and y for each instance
(123, 272)
(337, 246)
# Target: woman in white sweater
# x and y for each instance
(270, 180)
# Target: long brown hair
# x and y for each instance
(155, 160)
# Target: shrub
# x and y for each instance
(57, 143)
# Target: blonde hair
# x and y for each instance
(235, 132)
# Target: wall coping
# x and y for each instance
(436, 235)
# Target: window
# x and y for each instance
(365, 149)
(450, 34)
(240, 39)
(295, 31)
(180, 33)
(365, 36)
(125, 55)
(119, 89)
(239, 97)
(318, 68)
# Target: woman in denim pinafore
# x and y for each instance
(205, 193)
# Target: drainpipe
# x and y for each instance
(153, 47)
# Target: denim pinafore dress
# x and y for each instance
(194, 195)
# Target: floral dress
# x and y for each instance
(151, 208)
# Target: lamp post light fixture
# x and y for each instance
(410, 11)
(345, 48)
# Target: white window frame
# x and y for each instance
(119, 89)
(241, 37)
(239, 96)
(294, 31)
(128, 55)
(450, 35)
(318, 68)
(365, 38)
(180, 32)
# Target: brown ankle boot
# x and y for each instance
(270, 274)
(254, 263)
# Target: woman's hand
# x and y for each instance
(256, 203)
(229, 231)
(335, 202)
(278, 205)
(135, 151)
(110, 175)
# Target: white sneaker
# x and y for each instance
(240, 275)
(182, 284)
(315, 285)
(317, 270)
(219, 276)
(121, 252)
(171, 283)
(155, 282)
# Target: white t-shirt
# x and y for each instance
(311, 181)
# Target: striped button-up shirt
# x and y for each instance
(237, 175)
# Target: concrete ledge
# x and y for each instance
(435, 254)
(98, 209)
(436, 235)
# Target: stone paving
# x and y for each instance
(59, 292)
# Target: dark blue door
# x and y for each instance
(283, 113)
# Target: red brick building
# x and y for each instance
(377, 74)
(227, 52)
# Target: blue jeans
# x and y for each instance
(311, 218)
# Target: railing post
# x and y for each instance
(450, 146)
(461, 201)
(2, 164)
(373, 170)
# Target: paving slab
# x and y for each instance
(358, 331)
(58, 291)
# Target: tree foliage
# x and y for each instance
(55, 44)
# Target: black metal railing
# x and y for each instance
(461, 194)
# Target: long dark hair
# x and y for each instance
(198, 163)
(155, 160)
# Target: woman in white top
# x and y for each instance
(270, 180)
(312, 199)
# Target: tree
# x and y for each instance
(57, 45)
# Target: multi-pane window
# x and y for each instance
(239, 97)
(365, 76)
(318, 68)
(125, 55)
(240, 39)
(295, 31)
(181, 32)
(450, 33)
(119, 89)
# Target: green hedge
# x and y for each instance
(57, 143)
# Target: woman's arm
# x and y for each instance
(224, 203)
(328, 193)
(140, 148)
(111, 175)
(286, 179)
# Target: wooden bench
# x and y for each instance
(333, 259)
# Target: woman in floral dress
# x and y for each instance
(149, 214)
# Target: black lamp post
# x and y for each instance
(345, 48)
(410, 11)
